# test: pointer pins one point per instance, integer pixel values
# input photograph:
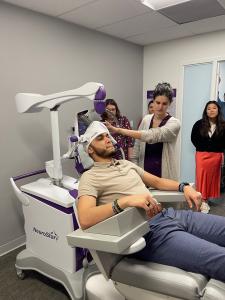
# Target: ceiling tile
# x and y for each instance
(137, 25)
(161, 35)
(105, 12)
(50, 7)
(126, 19)
(207, 25)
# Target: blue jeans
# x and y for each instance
(192, 241)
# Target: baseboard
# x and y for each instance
(6, 248)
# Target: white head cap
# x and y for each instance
(94, 129)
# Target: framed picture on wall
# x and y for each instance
(172, 107)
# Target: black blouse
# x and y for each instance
(215, 143)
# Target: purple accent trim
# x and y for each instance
(100, 94)
(73, 138)
(99, 103)
(99, 106)
(79, 167)
(79, 251)
(66, 210)
(74, 193)
(75, 224)
(15, 178)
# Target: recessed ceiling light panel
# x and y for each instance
(159, 4)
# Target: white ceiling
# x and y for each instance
(125, 19)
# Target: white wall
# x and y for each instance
(43, 55)
(163, 62)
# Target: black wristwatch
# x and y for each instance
(182, 185)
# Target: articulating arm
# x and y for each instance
(29, 103)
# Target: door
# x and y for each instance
(196, 92)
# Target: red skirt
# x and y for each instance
(208, 172)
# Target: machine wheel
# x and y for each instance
(20, 274)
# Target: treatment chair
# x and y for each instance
(110, 243)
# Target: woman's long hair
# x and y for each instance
(220, 123)
(104, 116)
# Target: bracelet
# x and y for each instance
(118, 208)
(114, 209)
(182, 185)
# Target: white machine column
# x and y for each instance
(57, 167)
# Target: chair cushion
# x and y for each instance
(215, 290)
(159, 278)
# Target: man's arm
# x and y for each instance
(160, 183)
(191, 195)
(89, 214)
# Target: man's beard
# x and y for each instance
(104, 153)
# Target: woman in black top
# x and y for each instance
(208, 137)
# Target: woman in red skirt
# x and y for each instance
(208, 136)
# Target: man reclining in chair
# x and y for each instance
(189, 240)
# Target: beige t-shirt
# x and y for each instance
(109, 181)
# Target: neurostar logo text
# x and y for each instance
(51, 235)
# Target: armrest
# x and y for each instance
(121, 223)
(135, 247)
(109, 240)
(168, 196)
(113, 235)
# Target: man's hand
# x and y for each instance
(145, 201)
(192, 196)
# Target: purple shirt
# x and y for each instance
(122, 141)
(153, 153)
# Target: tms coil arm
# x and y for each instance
(31, 103)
